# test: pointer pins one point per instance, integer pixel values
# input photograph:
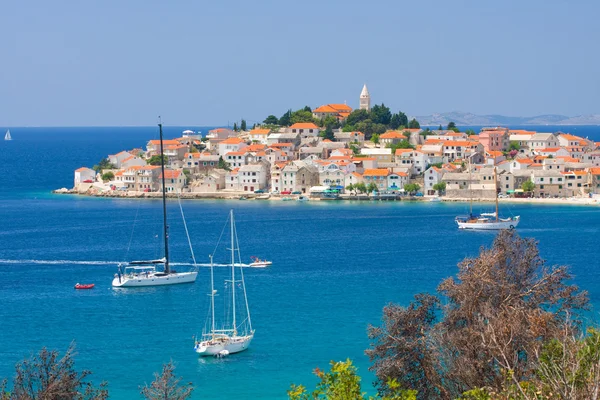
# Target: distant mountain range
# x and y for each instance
(469, 119)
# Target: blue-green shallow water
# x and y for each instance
(335, 266)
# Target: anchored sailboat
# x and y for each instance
(486, 221)
(144, 273)
(234, 335)
(7, 135)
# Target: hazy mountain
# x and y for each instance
(470, 119)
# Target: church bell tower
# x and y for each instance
(365, 99)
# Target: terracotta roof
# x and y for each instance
(304, 125)
(392, 135)
(495, 153)
(259, 132)
(325, 109)
(255, 147)
(521, 132)
(459, 143)
(165, 142)
(401, 151)
(569, 159)
(232, 140)
(376, 172)
(281, 145)
(236, 153)
(171, 174)
(595, 171)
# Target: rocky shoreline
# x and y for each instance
(360, 197)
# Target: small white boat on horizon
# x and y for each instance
(7, 136)
(258, 263)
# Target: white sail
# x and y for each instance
(230, 338)
(7, 136)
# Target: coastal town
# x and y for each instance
(333, 152)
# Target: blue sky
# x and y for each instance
(85, 63)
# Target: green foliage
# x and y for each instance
(286, 119)
(271, 120)
(223, 164)
(166, 386)
(235, 127)
(380, 114)
(109, 176)
(440, 187)
(375, 139)
(403, 144)
(470, 132)
(438, 165)
(414, 124)
(475, 394)
(343, 383)
(528, 186)
(188, 175)
(372, 187)
(330, 122)
(307, 108)
(155, 160)
(514, 145)
(46, 375)
(356, 116)
(398, 120)
(426, 132)
(243, 125)
(327, 133)
(411, 188)
(350, 187)
(451, 126)
(103, 164)
(361, 187)
(355, 149)
(301, 116)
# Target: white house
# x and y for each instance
(84, 174)
(231, 144)
(175, 180)
(117, 159)
(432, 176)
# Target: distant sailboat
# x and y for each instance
(7, 136)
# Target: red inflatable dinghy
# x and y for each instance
(80, 286)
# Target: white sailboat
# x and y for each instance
(235, 335)
(7, 135)
(144, 273)
(486, 221)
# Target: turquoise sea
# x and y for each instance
(335, 265)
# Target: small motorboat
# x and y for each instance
(84, 286)
(258, 263)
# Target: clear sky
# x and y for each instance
(123, 62)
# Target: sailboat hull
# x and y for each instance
(232, 345)
(490, 225)
(142, 280)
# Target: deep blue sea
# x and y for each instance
(335, 265)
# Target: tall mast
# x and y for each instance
(233, 271)
(496, 192)
(470, 192)
(164, 199)
(212, 296)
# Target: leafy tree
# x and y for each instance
(350, 188)
(379, 128)
(103, 164)
(426, 132)
(301, 116)
(46, 375)
(188, 176)
(440, 128)
(414, 124)
(372, 187)
(243, 125)
(361, 187)
(380, 114)
(451, 126)
(470, 132)
(307, 108)
(403, 144)
(271, 120)
(498, 314)
(223, 164)
(398, 120)
(166, 386)
(330, 121)
(440, 187)
(514, 145)
(155, 160)
(365, 127)
(355, 117)
(286, 119)
(375, 138)
(355, 149)
(327, 133)
(235, 127)
(411, 188)
(528, 186)
(343, 383)
(109, 176)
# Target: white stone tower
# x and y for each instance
(365, 99)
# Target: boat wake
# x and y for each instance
(80, 262)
